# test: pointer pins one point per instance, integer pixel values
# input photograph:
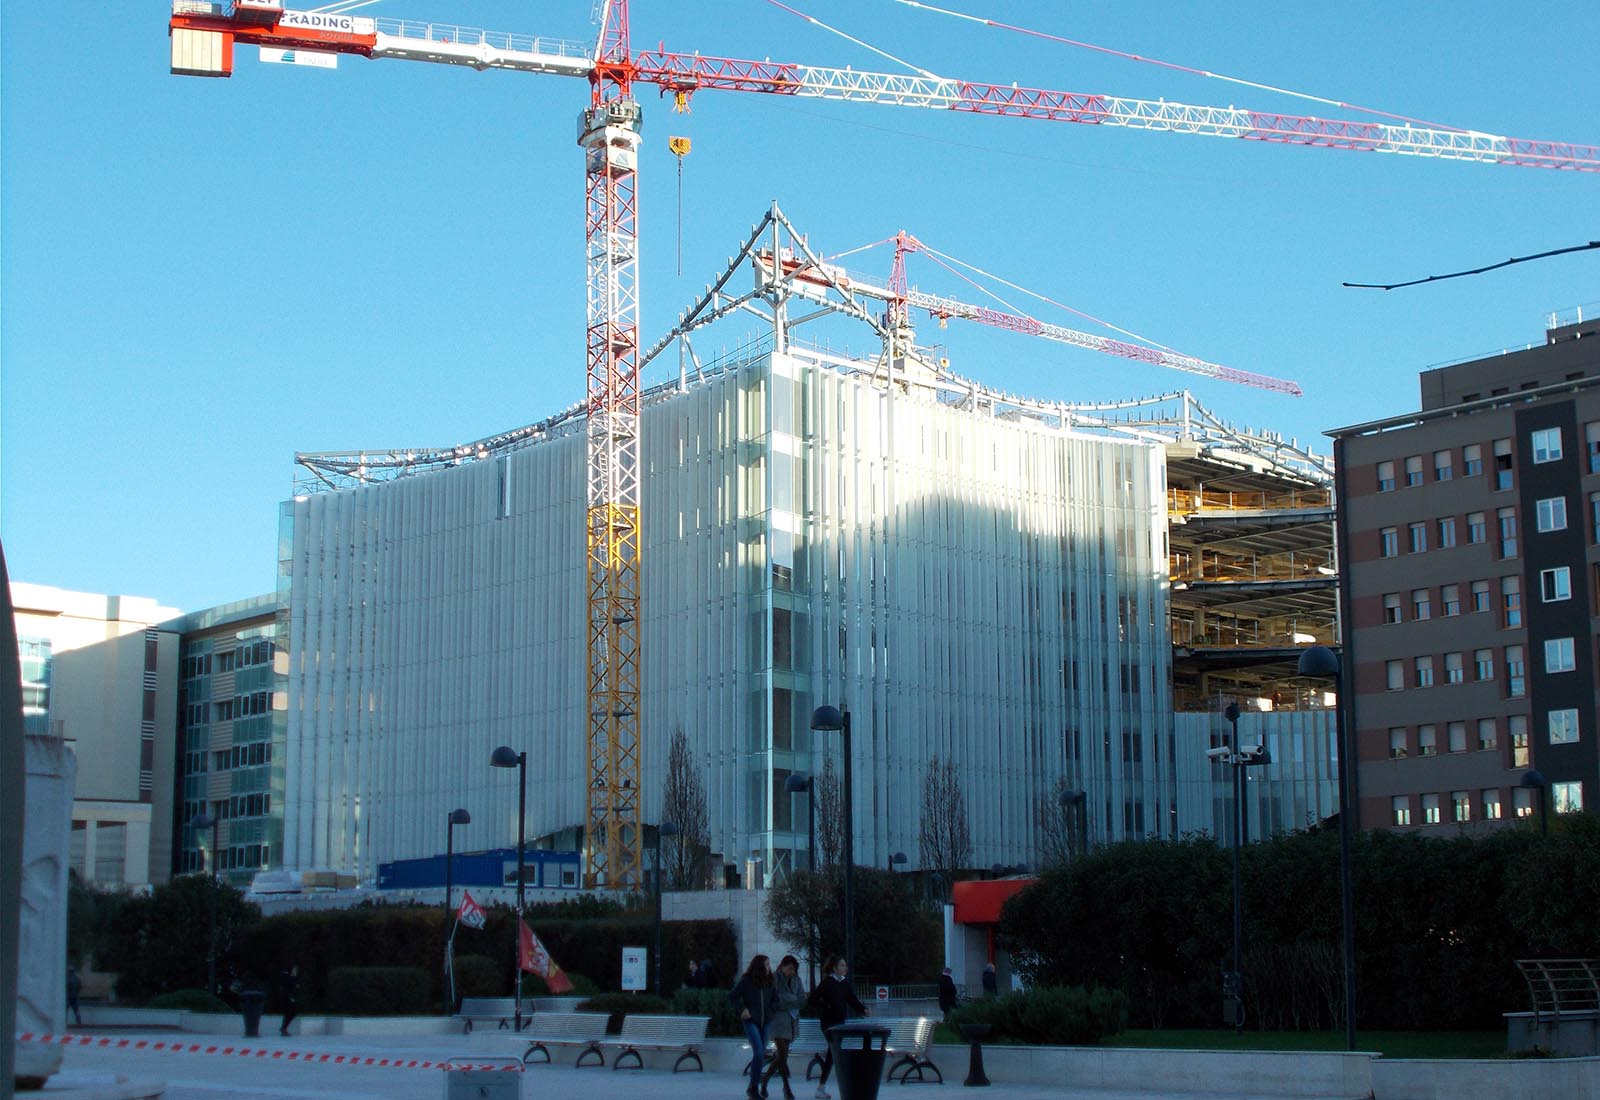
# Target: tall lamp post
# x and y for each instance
(1535, 779)
(895, 860)
(796, 783)
(1321, 662)
(828, 719)
(1077, 804)
(665, 828)
(505, 757)
(457, 817)
(204, 821)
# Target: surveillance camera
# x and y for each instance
(1218, 754)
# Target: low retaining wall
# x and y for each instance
(1319, 1074)
(1503, 1079)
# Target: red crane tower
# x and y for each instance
(204, 34)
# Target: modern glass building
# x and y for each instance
(974, 579)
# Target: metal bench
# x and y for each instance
(909, 1037)
(681, 1033)
(584, 1029)
(808, 1039)
(503, 1009)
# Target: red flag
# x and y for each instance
(533, 958)
(470, 913)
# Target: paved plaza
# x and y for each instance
(90, 1071)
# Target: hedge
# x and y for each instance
(1049, 1015)
(378, 991)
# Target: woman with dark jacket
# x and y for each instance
(755, 1001)
(835, 1001)
(791, 998)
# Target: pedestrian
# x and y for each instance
(948, 997)
(835, 1001)
(754, 1000)
(74, 987)
(991, 981)
(288, 991)
(791, 998)
(692, 981)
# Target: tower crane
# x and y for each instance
(204, 35)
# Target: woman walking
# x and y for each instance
(835, 1001)
(754, 1000)
(790, 998)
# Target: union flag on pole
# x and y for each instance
(533, 958)
(470, 912)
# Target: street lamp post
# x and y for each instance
(1320, 661)
(505, 757)
(794, 785)
(1076, 803)
(897, 858)
(204, 821)
(455, 817)
(1535, 779)
(665, 828)
(830, 719)
(1234, 986)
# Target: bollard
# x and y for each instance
(975, 1034)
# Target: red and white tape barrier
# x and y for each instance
(265, 1054)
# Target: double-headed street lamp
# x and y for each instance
(828, 719)
(1321, 662)
(505, 757)
(797, 782)
(665, 828)
(204, 821)
(1239, 759)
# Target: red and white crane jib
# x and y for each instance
(204, 34)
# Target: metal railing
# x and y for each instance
(1561, 986)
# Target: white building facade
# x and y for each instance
(972, 583)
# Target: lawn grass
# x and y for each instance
(1391, 1044)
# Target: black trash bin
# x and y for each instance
(251, 1002)
(859, 1049)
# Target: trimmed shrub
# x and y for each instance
(1050, 1015)
(625, 1004)
(709, 1002)
(481, 976)
(378, 991)
(190, 1000)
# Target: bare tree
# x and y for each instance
(1056, 827)
(943, 838)
(683, 802)
(830, 816)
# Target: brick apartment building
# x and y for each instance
(1469, 533)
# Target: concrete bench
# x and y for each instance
(580, 1029)
(685, 1034)
(909, 1037)
(502, 1009)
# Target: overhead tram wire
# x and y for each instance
(1476, 270)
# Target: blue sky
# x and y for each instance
(199, 278)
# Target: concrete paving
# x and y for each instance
(90, 1070)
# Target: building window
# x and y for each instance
(1552, 514)
(1423, 668)
(1427, 741)
(1491, 805)
(1417, 537)
(1594, 517)
(1413, 471)
(1456, 736)
(1546, 445)
(1502, 464)
(1442, 466)
(1401, 805)
(1454, 670)
(1566, 797)
(1460, 806)
(1391, 607)
(1564, 726)
(1488, 737)
(1421, 604)
(1516, 673)
(1450, 599)
(1591, 440)
(1477, 527)
(1559, 655)
(1511, 601)
(1482, 664)
(1394, 675)
(1480, 595)
(1430, 809)
(1517, 734)
(1447, 532)
(1385, 477)
(1397, 743)
(1556, 584)
(1507, 520)
(1389, 542)
(1472, 459)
